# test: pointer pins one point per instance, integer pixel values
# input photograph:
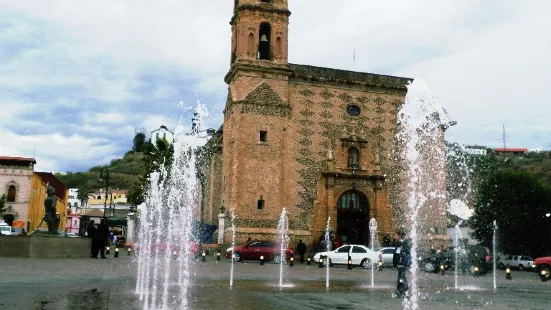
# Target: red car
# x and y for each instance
(252, 250)
(543, 266)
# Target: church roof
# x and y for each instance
(16, 161)
(323, 74)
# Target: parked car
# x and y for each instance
(252, 250)
(6, 229)
(517, 261)
(360, 255)
(469, 257)
(386, 256)
(543, 267)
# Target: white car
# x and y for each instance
(517, 261)
(7, 230)
(360, 255)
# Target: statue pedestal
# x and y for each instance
(221, 227)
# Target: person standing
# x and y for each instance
(91, 230)
(301, 249)
(101, 237)
(402, 261)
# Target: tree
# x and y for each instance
(3, 207)
(139, 140)
(83, 192)
(518, 202)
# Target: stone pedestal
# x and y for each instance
(221, 227)
(131, 227)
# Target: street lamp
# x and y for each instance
(104, 174)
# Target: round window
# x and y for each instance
(353, 110)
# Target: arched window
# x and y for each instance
(12, 193)
(353, 201)
(75, 204)
(264, 40)
(68, 205)
(353, 158)
(250, 44)
(279, 47)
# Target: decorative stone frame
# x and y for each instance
(7, 188)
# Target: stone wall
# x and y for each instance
(21, 178)
(44, 247)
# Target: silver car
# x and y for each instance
(387, 255)
(517, 261)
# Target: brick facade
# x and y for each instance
(300, 161)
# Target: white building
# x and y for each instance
(162, 133)
(76, 205)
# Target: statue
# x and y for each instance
(50, 216)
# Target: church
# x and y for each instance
(315, 141)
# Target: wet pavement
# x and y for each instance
(110, 284)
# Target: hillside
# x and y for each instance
(123, 173)
(538, 164)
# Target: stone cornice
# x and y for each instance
(268, 8)
(269, 68)
(335, 77)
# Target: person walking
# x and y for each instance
(91, 230)
(402, 261)
(101, 237)
(301, 250)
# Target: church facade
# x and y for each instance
(315, 141)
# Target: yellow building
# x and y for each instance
(39, 184)
(114, 196)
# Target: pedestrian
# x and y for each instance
(115, 239)
(101, 238)
(301, 249)
(402, 261)
(91, 233)
(386, 240)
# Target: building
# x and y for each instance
(75, 205)
(162, 133)
(476, 151)
(315, 141)
(510, 150)
(73, 223)
(25, 192)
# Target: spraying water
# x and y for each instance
(421, 131)
(373, 231)
(165, 228)
(232, 219)
(283, 229)
(327, 248)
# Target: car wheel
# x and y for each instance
(520, 267)
(366, 263)
(429, 266)
(236, 257)
(501, 266)
(326, 261)
(277, 259)
(545, 273)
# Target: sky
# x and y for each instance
(77, 78)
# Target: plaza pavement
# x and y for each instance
(110, 284)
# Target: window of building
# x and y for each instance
(99, 197)
(353, 110)
(12, 193)
(266, 1)
(264, 40)
(69, 205)
(263, 136)
(353, 158)
(260, 204)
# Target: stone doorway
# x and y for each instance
(353, 218)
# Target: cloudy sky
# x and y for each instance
(77, 77)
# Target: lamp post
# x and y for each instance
(104, 174)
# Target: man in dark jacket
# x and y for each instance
(91, 230)
(402, 261)
(101, 237)
(301, 249)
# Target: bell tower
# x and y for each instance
(259, 35)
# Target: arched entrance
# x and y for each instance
(353, 218)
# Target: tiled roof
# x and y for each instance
(94, 213)
(27, 160)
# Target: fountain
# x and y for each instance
(283, 229)
(423, 155)
(461, 211)
(232, 219)
(165, 229)
(373, 231)
(327, 248)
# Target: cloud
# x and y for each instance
(88, 73)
